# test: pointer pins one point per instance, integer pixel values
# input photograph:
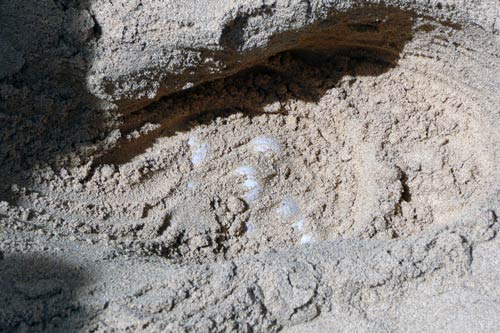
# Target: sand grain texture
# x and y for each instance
(244, 166)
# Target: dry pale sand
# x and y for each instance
(349, 184)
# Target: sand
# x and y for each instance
(349, 184)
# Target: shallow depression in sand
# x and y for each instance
(308, 146)
(249, 166)
(382, 153)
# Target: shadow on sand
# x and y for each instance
(38, 293)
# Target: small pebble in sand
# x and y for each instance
(235, 205)
(188, 85)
